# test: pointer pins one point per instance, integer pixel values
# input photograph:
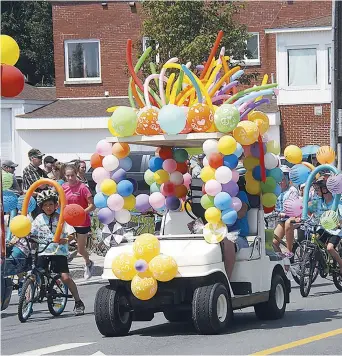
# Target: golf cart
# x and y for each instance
(201, 291)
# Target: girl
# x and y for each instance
(81, 170)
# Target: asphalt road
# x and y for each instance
(320, 313)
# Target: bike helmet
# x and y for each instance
(46, 195)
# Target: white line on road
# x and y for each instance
(56, 348)
(98, 353)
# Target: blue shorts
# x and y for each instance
(241, 242)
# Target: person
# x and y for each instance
(44, 227)
(49, 164)
(77, 192)
(196, 169)
(9, 167)
(58, 171)
(33, 172)
(81, 170)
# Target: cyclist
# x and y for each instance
(44, 227)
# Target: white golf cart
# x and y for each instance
(201, 292)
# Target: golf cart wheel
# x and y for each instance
(178, 316)
(211, 309)
(274, 308)
(112, 310)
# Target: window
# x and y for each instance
(302, 67)
(148, 42)
(82, 60)
(253, 49)
(329, 65)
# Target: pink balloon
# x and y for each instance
(99, 174)
(293, 207)
(104, 148)
(169, 165)
(187, 179)
(236, 204)
(213, 187)
(115, 202)
(157, 200)
(235, 176)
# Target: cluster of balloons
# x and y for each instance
(144, 267)
(12, 80)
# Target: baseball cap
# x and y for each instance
(50, 159)
(34, 152)
(9, 163)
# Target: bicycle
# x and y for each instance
(40, 284)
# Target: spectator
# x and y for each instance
(196, 170)
(9, 167)
(81, 170)
(58, 171)
(33, 172)
(49, 164)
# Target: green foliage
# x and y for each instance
(30, 24)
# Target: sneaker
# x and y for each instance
(72, 255)
(79, 308)
(88, 270)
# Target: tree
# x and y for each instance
(30, 24)
(188, 29)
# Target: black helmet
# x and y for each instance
(46, 195)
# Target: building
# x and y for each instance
(291, 41)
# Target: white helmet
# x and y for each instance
(46, 195)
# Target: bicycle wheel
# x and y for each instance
(26, 300)
(57, 296)
(337, 277)
(307, 271)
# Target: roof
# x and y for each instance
(324, 21)
(77, 108)
(31, 92)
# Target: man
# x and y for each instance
(196, 170)
(49, 163)
(9, 167)
(33, 172)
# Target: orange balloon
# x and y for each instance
(200, 117)
(96, 160)
(121, 149)
(148, 122)
(181, 191)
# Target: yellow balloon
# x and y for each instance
(214, 233)
(123, 266)
(129, 202)
(325, 155)
(20, 226)
(207, 173)
(161, 176)
(213, 215)
(250, 162)
(108, 187)
(227, 145)
(111, 129)
(249, 176)
(253, 187)
(246, 132)
(261, 119)
(146, 247)
(147, 273)
(144, 288)
(163, 268)
(293, 154)
(9, 50)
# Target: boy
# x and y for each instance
(44, 227)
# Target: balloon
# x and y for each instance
(299, 174)
(231, 188)
(106, 216)
(271, 161)
(10, 201)
(230, 161)
(255, 149)
(253, 187)
(164, 153)
(155, 188)
(239, 150)
(123, 266)
(149, 177)
(235, 176)
(215, 160)
(147, 123)
(7, 180)
(261, 119)
(334, 184)
(273, 147)
(257, 173)
(142, 203)
(96, 160)
(250, 162)
(181, 191)
(98, 188)
(268, 199)
(182, 167)
(269, 186)
(276, 174)
(74, 215)
(20, 226)
(121, 149)
(100, 174)
(227, 145)
(119, 175)
(126, 163)
(157, 200)
(213, 215)
(210, 146)
(293, 207)
(207, 173)
(223, 175)
(155, 164)
(31, 205)
(100, 200)
(9, 50)
(180, 155)
(246, 132)
(213, 187)
(144, 288)
(162, 176)
(167, 189)
(330, 220)
(125, 188)
(236, 204)
(134, 183)
(12, 81)
(169, 165)
(171, 119)
(124, 121)
(108, 187)
(207, 201)
(277, 190)
(200, 117)
(173, 203)
(129, 202)
(226, 118)
(267, 211)
(176, 178)
(229, 216)
(110, 163)
(122, 216)
(325, 155)
(146, 247)
(115, 202)
(223, 201)
(104, 148)
(187, 179)
(214, 233)
(293, 154)
(163, 268)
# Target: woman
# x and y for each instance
(77, 192)
(59, 172)
(81, 170)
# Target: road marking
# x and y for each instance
(56, 348)
(297, 343)
(98, 353)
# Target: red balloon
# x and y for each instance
(268, 210)
(96, 160)
(167, 189)
(203, 189)
(165, 153)
(215, 160)
(12, 81)
(74, 215)
(182, 167)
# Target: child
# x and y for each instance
(44, 227)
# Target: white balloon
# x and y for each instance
(100, 174)
(209, 147)
(271, 161)
(122, 216)
(115, 202)
(110, 163)
(205, 162)
(176, 178)
(98, 188)
(103, 148)
(223, 175)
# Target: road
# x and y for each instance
(317, 316)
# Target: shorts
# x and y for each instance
(59, 264)
(82, 229)
(328, 238)
(241, 242)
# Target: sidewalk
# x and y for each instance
(76, 267)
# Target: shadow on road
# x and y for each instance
(314, 285)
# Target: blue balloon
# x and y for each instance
(172, 119)
(125, 163)
(230, 161)
(229, 217)
(173, 203)
(299, 174)
(125, 188)
(277, 190)
(31, 205)
(100, 200)
(154, 188)
(155, 164)
(135, 184)
(239, 150)
(275, 173)
(10, 201)
(257, 173)
(223, 201)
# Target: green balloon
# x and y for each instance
(124, 121)
(180, 155)
(269, 186)
(155, 188)
(329, 220)
(149, 177)
(268, 200)
(207, 201)
(226, 118)
(7, 180)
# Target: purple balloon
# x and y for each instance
(334, 184)
(173, 203)
(141, 266)
(119, 175)
(255, 150)
(142, 203)
(106, 216)
(231, 188)
(135, 184)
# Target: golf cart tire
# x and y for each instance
(271, 310)
(178, 316)
(205, 309)
(107, 314)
